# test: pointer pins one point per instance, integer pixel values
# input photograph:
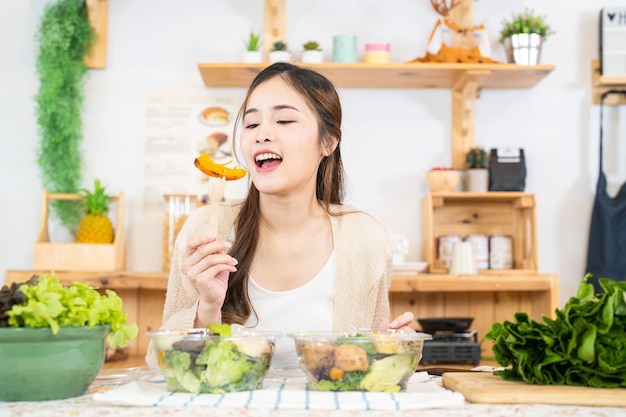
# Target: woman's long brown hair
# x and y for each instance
(322, 97)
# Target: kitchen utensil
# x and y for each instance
(454, 324)
(463, 259)
(484, 387)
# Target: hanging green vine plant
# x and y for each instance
(63, 37)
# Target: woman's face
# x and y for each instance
(280, 140)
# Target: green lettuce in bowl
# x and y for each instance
(52, 337)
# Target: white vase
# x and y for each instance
(312, 57)
(523, 48)
(252, 56)
(476, 180)
(279, 56)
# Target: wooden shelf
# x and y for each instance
(464, 80)
(413, 75)
(601, 83)
(111, 279)
(472, 283)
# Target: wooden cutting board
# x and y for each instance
(484, 387)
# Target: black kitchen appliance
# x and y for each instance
(452, 341)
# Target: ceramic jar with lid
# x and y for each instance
(377, 53)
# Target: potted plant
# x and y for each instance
(522, 37)
(253, 48)
(477, 175)
(312, 53)
(279, 52)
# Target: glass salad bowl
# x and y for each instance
(200, 362)
(359, 360)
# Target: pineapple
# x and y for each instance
(95, 226)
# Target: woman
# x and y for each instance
(299, 258)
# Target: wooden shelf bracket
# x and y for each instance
(274, 24)
(98, 13)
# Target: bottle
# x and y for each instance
(177, 209)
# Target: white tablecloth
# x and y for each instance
(287, 392)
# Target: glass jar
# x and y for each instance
(177, 209)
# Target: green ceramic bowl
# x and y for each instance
(38, 365)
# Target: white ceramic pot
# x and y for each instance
(476, 180)
(312, 57)
(280, 56)
(252, 56)
(523, 48)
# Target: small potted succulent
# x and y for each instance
(253, 48)
(279, 52)
(523, 35)
(312, 53)
(477, 175)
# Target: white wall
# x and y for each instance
(391, 137)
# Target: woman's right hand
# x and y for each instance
(208, 266)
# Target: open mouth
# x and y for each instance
(267, 160)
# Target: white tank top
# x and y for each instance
(309, 307)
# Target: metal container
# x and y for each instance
(501, 252)
(523, 48)
(446, 243)
(481, 250)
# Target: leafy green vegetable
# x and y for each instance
(224, 363)
(220, 366)
(350, 382)
(220, 329)
(585, 345)
(49, 303)
(388, 373)
(181, 369)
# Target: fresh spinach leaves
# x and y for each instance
(584, 345)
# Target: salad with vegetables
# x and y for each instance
(43, 301)
(359, 361)
(214, 360)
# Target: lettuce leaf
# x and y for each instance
(584, 345)
(49, 303)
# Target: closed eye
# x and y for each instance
(285, 122)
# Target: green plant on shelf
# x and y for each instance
(279, 46)
(526, 22)
(311, 46)
(253, 43)
(477, 158)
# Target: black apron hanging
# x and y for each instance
(606, 253)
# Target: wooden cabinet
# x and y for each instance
(488, 298)
(510, 214)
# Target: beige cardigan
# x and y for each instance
(363, 262)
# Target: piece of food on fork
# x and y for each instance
(211, 168)
(220, 173)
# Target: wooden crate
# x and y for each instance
(491, 213)
(69, 256)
